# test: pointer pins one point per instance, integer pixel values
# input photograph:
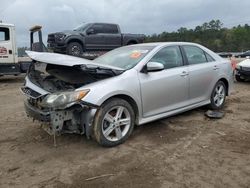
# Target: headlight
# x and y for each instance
(62, 100)
(238, 67)
(60, 37)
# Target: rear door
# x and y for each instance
(203, 73)
(165, 90)
(113, 38)
(7, 54)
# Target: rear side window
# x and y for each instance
(209, 58)
(195, 55)
(4, 34)
(110, 28)
(170, 57)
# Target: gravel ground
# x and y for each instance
(187, 150)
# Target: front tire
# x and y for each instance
(218, 96)
(113, 123)
(74, 49)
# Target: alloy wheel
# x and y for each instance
(219, 95)
(75, 50)
(116, 123)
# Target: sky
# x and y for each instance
(134, 16)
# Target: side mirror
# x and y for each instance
(90, 31)
(154, 66)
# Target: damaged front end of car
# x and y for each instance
(54, 97)
(73, 117)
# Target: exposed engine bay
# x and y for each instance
(61, 81)
(53, 78)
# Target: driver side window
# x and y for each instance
(170, 57)
(97, 28)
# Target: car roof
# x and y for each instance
(166, 43)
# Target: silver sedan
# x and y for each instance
(128, 86)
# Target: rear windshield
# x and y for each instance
(125, 57)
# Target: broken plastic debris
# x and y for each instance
(214, 114)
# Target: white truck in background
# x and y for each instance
(9, 62)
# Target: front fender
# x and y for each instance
(125, 84)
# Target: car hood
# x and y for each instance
(67, 32)
(66, 60)
(245, 63)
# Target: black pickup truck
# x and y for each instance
(91, 37)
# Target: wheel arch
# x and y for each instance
(131, 101)
(225, 81)
(76, 40)
(132, 41)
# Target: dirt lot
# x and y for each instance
(187, 150)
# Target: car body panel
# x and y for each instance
(156, 94)
(245, 63)
(155, 98)
(243, 69)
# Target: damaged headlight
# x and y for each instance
(63, 99)
(60, 37)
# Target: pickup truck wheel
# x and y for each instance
(113, 123)
(218, 96)
(75, 49)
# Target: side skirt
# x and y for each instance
(173, 112)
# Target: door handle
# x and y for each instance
(184, 73)
(216, 67)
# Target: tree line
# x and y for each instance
(210, 34)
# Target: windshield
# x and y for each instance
(81, 27)
(126, 57)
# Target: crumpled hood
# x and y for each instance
(245, 63)
(65, 60)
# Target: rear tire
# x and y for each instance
(239, 79)
(113, 123)
(74, 49)
(218, 96)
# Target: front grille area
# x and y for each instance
(30, 93)
(51, 38)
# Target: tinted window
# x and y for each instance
(110, 28)
(209, 57)
(4, 34)
(195, 55)
(81, 27)
(98, 28)
(170, 57)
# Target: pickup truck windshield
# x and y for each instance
(124, 57)
(81, 27)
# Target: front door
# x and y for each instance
(165, 90)
(7, 52)
(95, 40)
